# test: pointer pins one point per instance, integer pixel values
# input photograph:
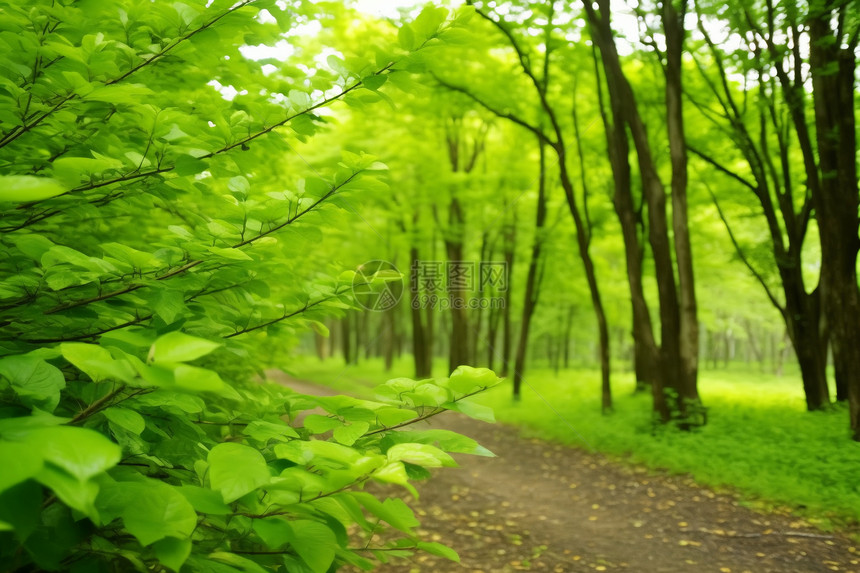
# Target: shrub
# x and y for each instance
(149, 246)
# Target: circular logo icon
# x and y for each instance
(377, 285)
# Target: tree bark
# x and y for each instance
(508, 248)
(645, 351)
(420, 340)
(346, 339)
(532, 286)
(673, 26)
(837, 200)
(677, 359)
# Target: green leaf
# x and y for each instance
(26, 188)
(120, 93)
(393, 510)
(374, 82)
(473, 410)
(421, 455)
(438, 549)
(395, 473)
(406, 37)
(466, 379)
(241, 563)
(317, 424)
(180, 347)
(73, 167)
(428, 21)
(36, 382)
(196, 379)
(230, 253)
(263, 431)
(154, 510)
(82, 452)
(393, 416)
(20, 506)
(126, 419)
(96, 362)
(239, 185)
(19, 462)
(274, 531)
(172, 552)
(187, 165)
(347, 435)
(205, 500)
(77, 494)
(168, 304)
(446, 440)
(34, 246)
(315, 543)
(236, 470)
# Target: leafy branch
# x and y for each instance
(192, 264)
(421, 418)
(20, 130)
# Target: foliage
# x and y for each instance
(152, 218)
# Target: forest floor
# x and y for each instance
(539, 506)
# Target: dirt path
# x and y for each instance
(544, 507)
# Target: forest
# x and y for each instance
(269, 267)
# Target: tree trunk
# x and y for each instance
(532, 288)
(387, 338)
(583, 240)
(320, 345)
(478, 313)
(673, 26)
(678, 358)
(508, 246)
(420, 340)
(568, 327)
(346, 339)
(644, 346)
(837, 201)
(492, 332)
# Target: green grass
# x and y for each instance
(759, 440)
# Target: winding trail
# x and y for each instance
(539, 506)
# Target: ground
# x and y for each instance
(539, 506)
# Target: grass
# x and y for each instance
(759, 441)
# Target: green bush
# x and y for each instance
(149, 248)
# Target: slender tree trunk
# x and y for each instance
(334, 336)
(673, 26)
(645, 349)
(568, 328)
(583, 239)
(492, 335)
(320, 345)
(508, 246)
(478, 314)
(362, 336)
(420, 341)
(532, 287)
(459, 349)
(461, 162)
(346, 339)
(387, 339)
